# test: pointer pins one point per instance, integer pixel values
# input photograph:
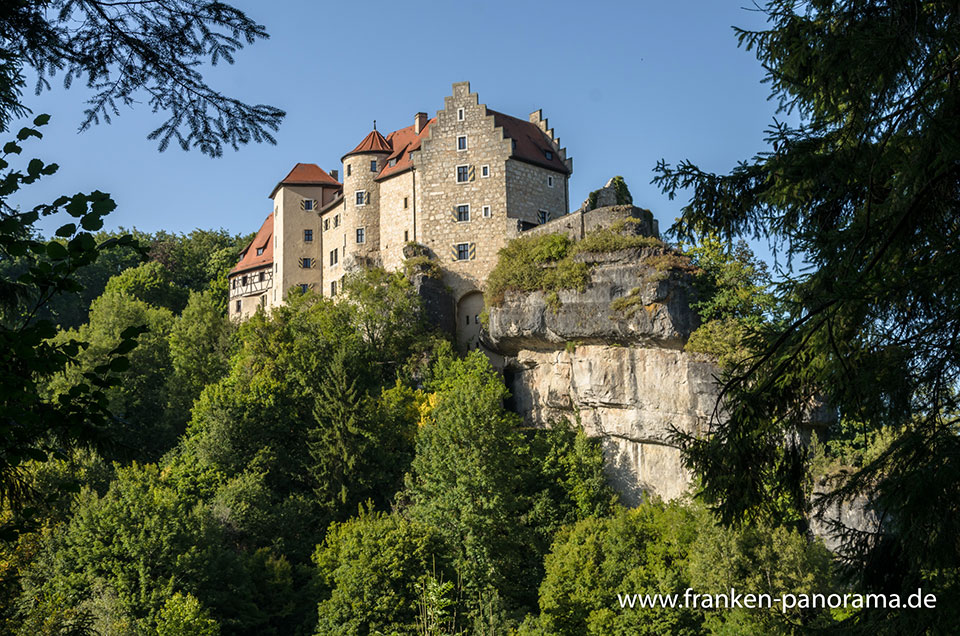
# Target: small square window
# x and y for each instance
(308, 204)
(348, 169)
(259, 251)
(549, 182)
(462, 142)
(463, 251)
(543, 216)
(548, 154)
(373, 166)
(361, 235)
(463, 174)
(486, 212)
(308, 236)
(460, 114)
(306, 262)
(304, 287)
(463, 213)
(361, 197)
(334, 257)
(237, 307)
(485, 171)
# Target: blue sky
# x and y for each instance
(623, 84)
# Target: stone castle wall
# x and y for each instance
(439, 193)
(396, 219)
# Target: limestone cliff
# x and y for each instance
(612, 356)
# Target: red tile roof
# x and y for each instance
(374, 142)
(403, 142)
(248, 257)
(307, 174)
(532, 144)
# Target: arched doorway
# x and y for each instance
(468, 321)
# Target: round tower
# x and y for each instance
(361, 192)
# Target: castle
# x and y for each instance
(460, 184)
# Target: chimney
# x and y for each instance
(335, 174)
(419, 122)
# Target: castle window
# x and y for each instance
(262, 276)
(333, 288)
(361, 197)
(308, 204)
(308, 236)
(237, 307)
(263, 300)
(486, 212)
(326, 224)
(306, 262)
(485, 171)
(406, 235)
(348, 169)
(468, 318)
(549, 182)
(543, 216)
(463, 251)
(463, 174)
(462, 142)
(334, 257)
(336, 221)
(463, 213)
(405, 202)
(304, 287)
(373, 166)
(361, 235)
(234, 283)
(259, 251)
(243, 281)
(548, 154)
(460, 114)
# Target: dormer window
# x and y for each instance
(393, 162)
(548, 154)
(259, 251)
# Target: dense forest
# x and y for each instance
(338, 467)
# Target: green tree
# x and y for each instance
(200, 346)
(182, 615)
(373, 566)
(864, 190)
(127, 50)
(149, 283)
(34, 425)
(142, 425)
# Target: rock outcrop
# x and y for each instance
(611, 357)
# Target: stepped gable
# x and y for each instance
(308, 174)
(532, 144)
(248, 257)
(374, 142)
(403, 142)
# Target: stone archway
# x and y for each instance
(468, 320)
